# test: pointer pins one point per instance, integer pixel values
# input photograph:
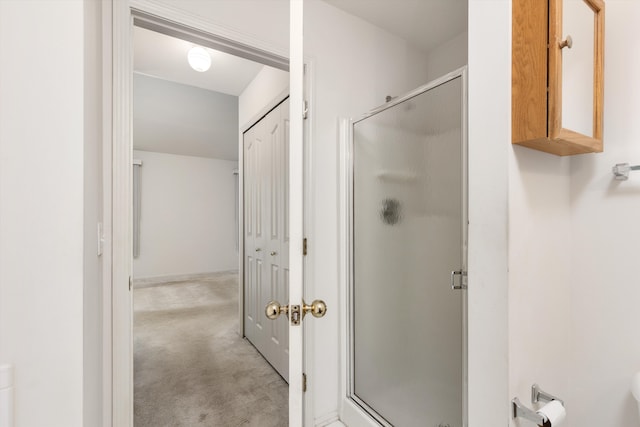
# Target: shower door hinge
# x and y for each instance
(130, 282)
(305, 110)
(304, 246)
(304, 382)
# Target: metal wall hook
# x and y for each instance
(568, 42)
(621, 171)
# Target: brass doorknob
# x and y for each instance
(317, 308)
(274, 309)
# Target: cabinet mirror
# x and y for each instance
(578, 57)
(576, 72)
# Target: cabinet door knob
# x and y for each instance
(568, 42)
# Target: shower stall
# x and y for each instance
(408, 234)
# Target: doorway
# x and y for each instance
(191, 364)
(350, 90)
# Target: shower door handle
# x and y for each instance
(463, 280)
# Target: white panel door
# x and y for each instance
(277, 252)
(253, 218)
(266, 229)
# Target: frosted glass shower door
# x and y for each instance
(408, 228)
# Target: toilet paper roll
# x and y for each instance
(555, 413)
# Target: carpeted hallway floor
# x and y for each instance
(190, 366)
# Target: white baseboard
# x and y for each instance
(330, 419)
(147, 282)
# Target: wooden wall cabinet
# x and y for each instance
(538, 80)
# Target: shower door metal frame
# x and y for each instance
(350, 401)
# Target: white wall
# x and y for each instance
(605, 274)
(263, 89)
(539, 273)
(489, 141)
(188, 213)
(41, 208)
(573, 256)
(205, 122)
(448, 56)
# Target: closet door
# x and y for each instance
(276, 254)
(253, 234)
(266, 234)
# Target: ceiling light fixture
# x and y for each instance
(199, 59)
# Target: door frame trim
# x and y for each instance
(118, 321)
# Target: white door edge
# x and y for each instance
(296, 208)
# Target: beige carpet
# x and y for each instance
(190, 366)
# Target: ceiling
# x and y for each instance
(424, 23)
(165, 57)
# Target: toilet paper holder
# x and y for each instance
(537, 395)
